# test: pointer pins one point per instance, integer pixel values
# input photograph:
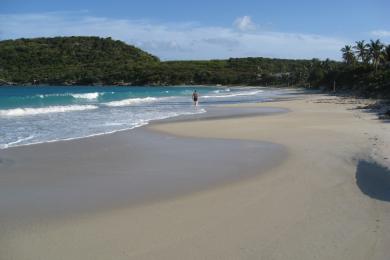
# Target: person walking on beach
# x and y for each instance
(195, 97)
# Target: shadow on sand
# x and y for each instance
(373, 180)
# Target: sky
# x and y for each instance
(177, 30)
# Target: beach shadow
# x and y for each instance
(373, 180)
(380, 109)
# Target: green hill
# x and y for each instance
(81, 60)
(94, 60)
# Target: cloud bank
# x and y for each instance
(381, 33)
(176, 41)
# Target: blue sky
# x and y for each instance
(206, 29)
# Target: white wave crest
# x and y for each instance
(44, 110)
(17, 142)
(246, 93)
(130, 101)
(219, 90)
(94, 95)
(54, 95)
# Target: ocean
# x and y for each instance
(37, 114)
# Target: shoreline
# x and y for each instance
(52, 160)
(212, 113)
(311, 204)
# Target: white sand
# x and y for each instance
(309, 207)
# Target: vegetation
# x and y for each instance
(69, 60)
(93, 60)
(366, 71)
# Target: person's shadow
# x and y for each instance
(373, 180)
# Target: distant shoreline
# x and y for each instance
(148, 85)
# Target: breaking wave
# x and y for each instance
(131, 101)
(246, 93)
(94, 95)
(44, 110)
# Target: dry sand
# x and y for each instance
(308, 207)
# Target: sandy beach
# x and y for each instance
(310, 181)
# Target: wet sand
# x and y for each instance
(49, 182)
(307, 194)
(57, 180)
(226, 112)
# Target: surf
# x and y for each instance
(44, 110)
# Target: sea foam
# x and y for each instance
(93, 95)
(44, 110)
(246, 93)
(130, 101)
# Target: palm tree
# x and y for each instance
(386, 54)
(362, 51)
(348, 55)
(326, 64)
(376, 53)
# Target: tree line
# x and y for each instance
(94, 60)
(366, 69)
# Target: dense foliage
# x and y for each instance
(93, 60)
(77, 60)
(366, 70)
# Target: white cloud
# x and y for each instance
(244, 23)
(381, 33)
(175, 41)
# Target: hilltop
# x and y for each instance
(69, 60)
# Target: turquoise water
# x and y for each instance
(43, 114)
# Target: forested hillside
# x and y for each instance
(79, 60)
(94, 60)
